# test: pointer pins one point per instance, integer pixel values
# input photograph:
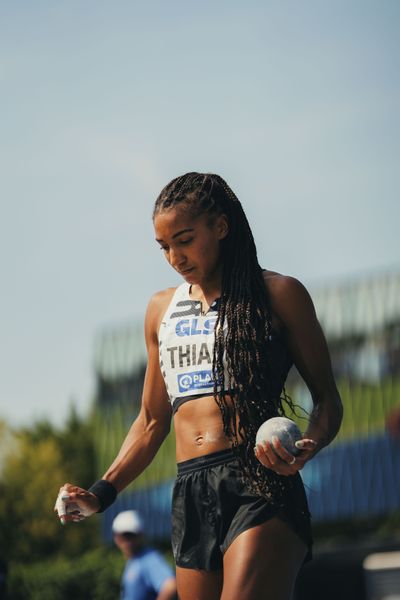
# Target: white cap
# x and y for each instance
(127, 521)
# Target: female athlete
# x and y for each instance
(220, 346)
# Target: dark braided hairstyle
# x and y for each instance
(245, 308)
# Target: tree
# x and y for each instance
(40, 460)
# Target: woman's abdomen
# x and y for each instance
(198, 428)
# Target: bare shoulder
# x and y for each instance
(156, 308)
(161, 298)
(289, 297)
(279, 285)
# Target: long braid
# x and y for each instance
(244, 307)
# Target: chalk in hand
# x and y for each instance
(61, 507)
(72, 509)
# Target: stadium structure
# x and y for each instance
(353, 486)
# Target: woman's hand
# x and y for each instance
(275, 457)
(74, 504)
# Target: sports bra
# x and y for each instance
(186, 344)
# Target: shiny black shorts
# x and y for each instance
(211, 505)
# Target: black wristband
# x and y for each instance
(106, 493)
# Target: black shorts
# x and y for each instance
(211, 505)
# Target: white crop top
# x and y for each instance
(186, 344)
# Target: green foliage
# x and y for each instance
(95, 575)
(39, 460)
(365, 407)
(78, 450)
(110, 431)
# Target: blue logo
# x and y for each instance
(194, 327)
(197, 380)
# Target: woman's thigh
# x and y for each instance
(263, 562)
(194, 584)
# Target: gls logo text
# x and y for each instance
(191, 327)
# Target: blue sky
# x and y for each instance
(295, 104)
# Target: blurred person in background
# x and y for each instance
(147, 575)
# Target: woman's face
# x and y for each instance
(191, 245)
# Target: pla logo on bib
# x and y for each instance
(196, 380)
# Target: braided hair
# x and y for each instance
(245, 308)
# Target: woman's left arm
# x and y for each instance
(292, 304)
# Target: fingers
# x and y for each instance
(306, 444)
(63, 496)
(70, 489)
(75, 504)
(61, 508)
(275, 457)
(268, 456)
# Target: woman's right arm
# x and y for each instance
(152, 425)
(147, 432)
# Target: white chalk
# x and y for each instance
(61, 507)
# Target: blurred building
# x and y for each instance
(355, 479)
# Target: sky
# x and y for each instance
(295, 104)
